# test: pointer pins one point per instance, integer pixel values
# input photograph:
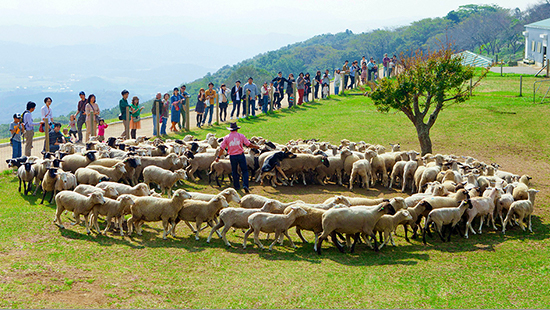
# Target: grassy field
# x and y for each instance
(42, 266)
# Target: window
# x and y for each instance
(539, 47)
(533, 46)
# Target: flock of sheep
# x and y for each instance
(113, 180)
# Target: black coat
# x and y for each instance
(234, 93)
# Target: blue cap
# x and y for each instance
(82, 93)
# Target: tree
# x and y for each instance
(429, 82)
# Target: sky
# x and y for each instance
(223, 21)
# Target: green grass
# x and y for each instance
(42, 266)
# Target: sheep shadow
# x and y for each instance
(101, 240)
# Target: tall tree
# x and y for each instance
(429, 82)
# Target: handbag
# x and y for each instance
(136, 119)
(120, 116)
(41, 128)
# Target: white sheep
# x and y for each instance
(108, 191)
(482, 206)
(89, 176)
(362, 168)
(140, 189)
(272, 223)
(152, 209)
(409, 170)
(445, 217)
(115, 173)
(48, 183)
(356, 201)
(521, 209)
(78, 204)
(520, 191)
(220, 168)
(112, 209)
(166, 179)
(25, 174)
(505, 201)
(230, 195)
(253, 201)
(73, 162)
(387, 224)
(199, 211)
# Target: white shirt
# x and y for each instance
(47, 113)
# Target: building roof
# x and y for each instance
(541, 24)
(475, 60)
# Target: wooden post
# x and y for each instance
(217, 109)
(156, 124)
(547, 67)
(501, 68)
(182, 115)
(520, 84)
(294, 86)
(92, 131)
(47, 132)
(127, 126)
(187, 113)
(271, 99)
(313, 90)
(247, 107)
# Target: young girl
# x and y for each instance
(165, 112)
(325, 91)
(101, 130)
(72, 127)
(201, 105)
(135, 120)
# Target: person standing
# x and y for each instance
(135, 120)
(307, 88)
(165, 113)
(80, 115)
(200, 106)
(16, 128)
(223, 102)
(265, 96)
(290, 89)
(394, 68)
(326, 81)
(122, 105)
(101, 130)
(29, 127)
(352, 72)
(210, 102)
(345, 72)
(92, 117)
(183, 97)
(47, 113)
(234, 142)
(363, 61)
(371, 67)
(236, 97)
(279, 92)
(318, 83)
(300, 85)
(385, 63)
(72, 127)
(337, 81)
(175, 101)
(254, 93)
(157, 106)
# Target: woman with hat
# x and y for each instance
(234, 142)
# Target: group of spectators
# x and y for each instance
(173, 105)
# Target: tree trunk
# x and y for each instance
(423, 132)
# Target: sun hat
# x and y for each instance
(233, 126)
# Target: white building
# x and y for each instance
(536, 41)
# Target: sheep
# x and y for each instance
(418, 176)
(166, 179)
(272, 164)
(362, 168)
(409, 170)
(353, 221)
(168, 163)
(445, 217)
(521, 208)
(448, 201)
(520, 192)
(108, 191)
(429, 174)
(25, 174)
(40, 167)
(199, 211)
(114, 173)
(379, 171)
(73, 162)
(396, 172)
(357, 201)
(48, 183)
(78, 204)
(220, 168)
(230, 195)
(482, 206)
(303, 163)
(272, 223)
(336, 166)
(130, 164)
(112, 209)
(200, 162)
(253, 201)
(89, 176)
(65, 181)
(388, 224)
(236, 218)
(141, 189)
(152, 209)
(505, 201)
(416, 216)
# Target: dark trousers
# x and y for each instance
(316, 90)
(79, 122)
(239, 160)
(351, 82)
(277, 100)
(236, 105)
(346, 77)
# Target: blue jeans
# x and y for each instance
(336, 89)
(208, 108)
(163, 125)
(16, 149)
(239, 160)
(154, 125)
(252, 108)
(265, 103)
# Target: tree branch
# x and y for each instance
(409, 113)
(435, 114)
(428, 104)
(415, 105)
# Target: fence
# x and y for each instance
(541, 91)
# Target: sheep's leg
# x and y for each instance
(190, 227)
(212, 224)
(530, 229)
(291, 242)
(281, 172)
(57, 219)
(87, 224)
(376, 249)
(316, 240)
(355, 238)
(391, 239)
(217, 180)
(320, 239)
(107, 220)
(277, 235)
(480, 224)
(299, 233)
(405, 228)
(335, 241)
(250, 230)
(20, 185)
(43, 196)
(257, 239)
(521, 224)
(215, 228)
(37, 184)
(224, 232)
(120, 221)
(352, 180)
(51, 198)
(439, 231)
(198, 224)
(339, 177)
(130, 224)
(493, 220)
(165, 227)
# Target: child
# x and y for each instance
(201, 106)
(325, 91)
(72, 128)
(101, 130)
(66, 135)
(16, 129)
(291, 100)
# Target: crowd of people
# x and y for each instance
(173, 105)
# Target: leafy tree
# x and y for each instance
(429, 82)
